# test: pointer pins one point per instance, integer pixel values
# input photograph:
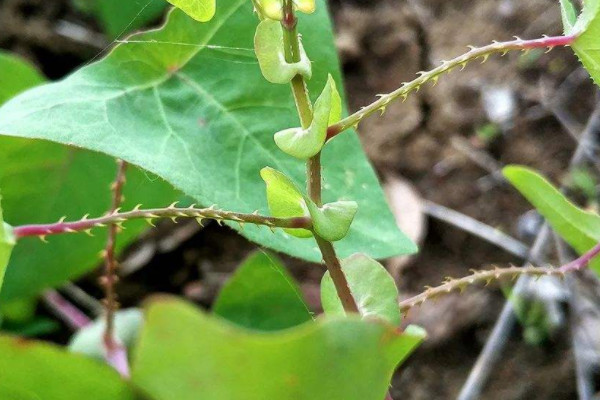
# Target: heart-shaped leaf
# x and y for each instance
(305, 143)
(35, 371)
(269, 47)
(579, 228)
(188, 103)
(183, 352)
(200, 10)
(372, 287)
(587, 32)
(332, 221)
(7, 242)
(262, 295)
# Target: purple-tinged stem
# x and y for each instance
(434, 74)
(116, 355)
(64, 310)
(85, 225)
(582, 262)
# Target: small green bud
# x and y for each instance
(332, 221)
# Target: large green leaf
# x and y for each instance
(587, 30)
(189, 104)
(16, 75)
(262, 295)
(372, 287)
(184, 354)
(579, 228)
(7, 242)
(119, 17)
(43, 182)
(36, 371)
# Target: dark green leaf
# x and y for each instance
(372, 287)
(262, 295)
(16, 75)
(7, 243)
(203, 118)
(183, 352)
(587, 30)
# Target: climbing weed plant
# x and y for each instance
(204, 104)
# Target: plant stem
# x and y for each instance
(434, 74)
(115, 352)
(85, 225)
(64, 310)
(498, 273)
(313, 165)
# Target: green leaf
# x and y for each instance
(61, 181)
(90, 339)
(569, 15)
(284, 199)
(16, 75)
(262, 295)
(333, 220)
(587, 30)
(7, 242)
(306, 143)
(200, 10)
(119, 17)
(37, 371)
(183, 351)
(372, 287)
(269, 48)
(579, 228)
(203, 119)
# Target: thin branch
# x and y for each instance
(64, 310)
(115, 351)
(477, 228)
(434, 74)
(451, 284)
(171, 212)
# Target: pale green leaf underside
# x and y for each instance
(203, 118)
(262, 295)
(579, 228)
(183, 352)
(587, 29)
(35, 371)
(372, 287)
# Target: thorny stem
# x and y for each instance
(118, 218)
(313, 165)
(115, 352)
(434, 74)
(486, 277)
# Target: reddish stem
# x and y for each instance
(66, 311)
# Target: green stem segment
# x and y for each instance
(313, 165)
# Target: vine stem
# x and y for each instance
(171, 212)
(116, 353)
(447, 66)
(451, 284)
(313, 165)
